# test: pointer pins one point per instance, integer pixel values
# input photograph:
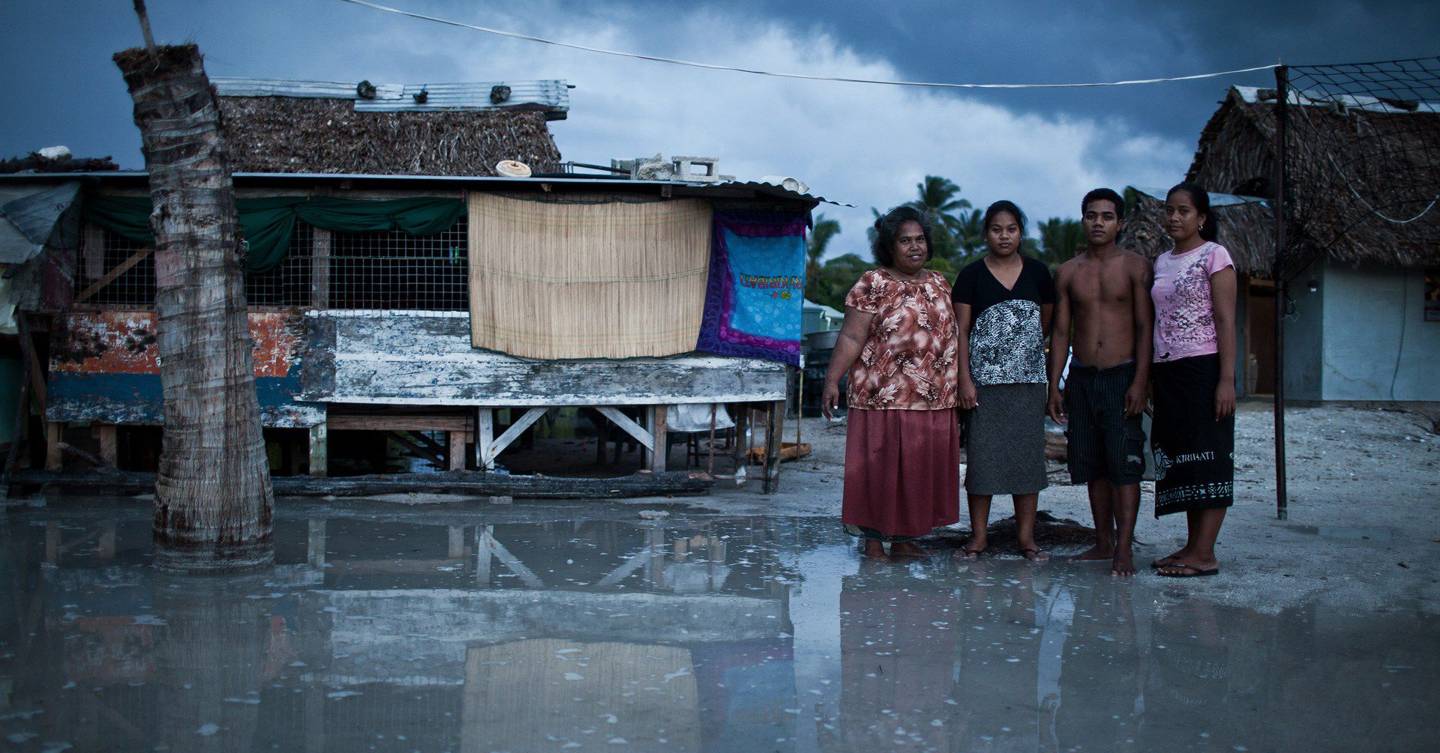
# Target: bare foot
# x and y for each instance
(1124, 564)
(1096, 553)
(874, 549)
(1034, 554)
(907, 549)
(971, 550)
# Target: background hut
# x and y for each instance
(1363, 318)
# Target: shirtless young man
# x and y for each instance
(1105, 293)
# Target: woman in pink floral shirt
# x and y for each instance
(898, 345)
(1193, 378)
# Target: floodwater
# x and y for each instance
(584, 627)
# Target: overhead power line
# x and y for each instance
(801, 76)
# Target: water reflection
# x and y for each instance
(453, 632)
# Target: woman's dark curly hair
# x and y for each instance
(887, 229)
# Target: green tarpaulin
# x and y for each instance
(267, 224)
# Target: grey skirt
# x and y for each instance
(1005, 450)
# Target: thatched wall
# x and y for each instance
(294, 135)
(1343, 165)
(1246, 230)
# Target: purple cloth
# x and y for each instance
(756, 288)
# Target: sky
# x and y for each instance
(861, 144)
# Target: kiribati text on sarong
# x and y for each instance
(1188, 493)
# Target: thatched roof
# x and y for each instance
(280, 134)
(1348, 163)
(1246, 227)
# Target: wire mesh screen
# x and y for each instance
(289, 282)
(1363, 158)
(392, 270)
(382, 270)
(114, 271)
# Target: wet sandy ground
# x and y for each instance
(741, 623)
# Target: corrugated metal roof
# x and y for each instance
(29, 217)
(551, 95)
(1251, 95)
(460, 180)
(1216, 199)
(768, 186)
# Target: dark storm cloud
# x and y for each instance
(1042, 41)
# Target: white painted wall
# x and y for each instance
(1377, 344)
(1305, 335)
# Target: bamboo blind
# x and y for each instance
(587, 280)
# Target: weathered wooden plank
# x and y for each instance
(320, 243)
(110, 276)
(109, 446)
(413, 359)
(630, 427)
(468, 483)
(484, 437)
(457, 450)
(418, 449)
(53, 459)
(94, 244)
(104, 368)
(658, 431)
(319, 451)
(398, 422)
(511, 434)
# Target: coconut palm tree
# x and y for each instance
(971, 233)
(820, 236)
(213, 500)
(939, 198)
(1060, 239)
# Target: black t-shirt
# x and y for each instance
(1007, 344)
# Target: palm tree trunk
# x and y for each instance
(213, 502)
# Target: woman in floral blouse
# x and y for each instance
(898, 345)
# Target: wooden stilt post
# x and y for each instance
(660, 457)
(775, 424)
(484, 438)
(109, 445)
(457, 450)
(319, 450)
(54, 461)
(710, 458)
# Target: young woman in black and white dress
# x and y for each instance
(1003, 304)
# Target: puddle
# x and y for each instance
(460, 630)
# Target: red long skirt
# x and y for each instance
(902, 473)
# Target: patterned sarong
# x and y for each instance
(1194, 453)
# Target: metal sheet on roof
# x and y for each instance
(547, 94)
(497, 182)
(1251, 95)
(29, 218)
(1216, 199)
